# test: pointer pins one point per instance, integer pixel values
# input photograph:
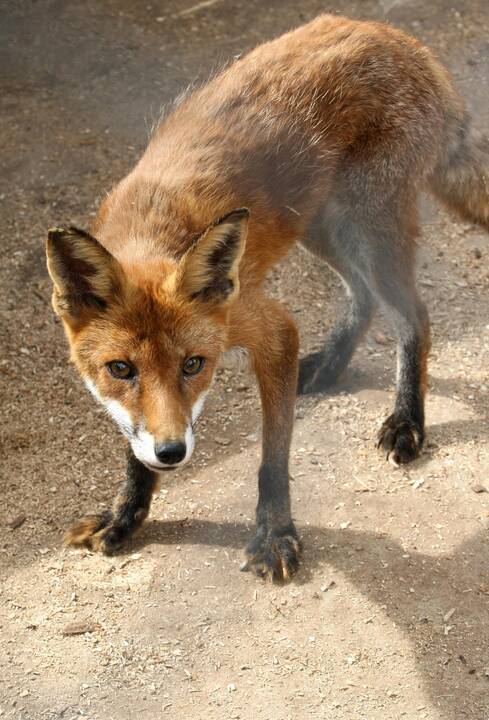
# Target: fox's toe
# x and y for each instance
(89, 532)
(276, 557)
(401, 439)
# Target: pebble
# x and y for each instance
(478, 488)
(16, 522)
(79, 627)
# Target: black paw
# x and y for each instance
(274, 555)
(95, 532)
(401, 439)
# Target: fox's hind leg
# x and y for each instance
(335, 238)
(375, 255)
(392, 278)
(321, 370)
(107, 531)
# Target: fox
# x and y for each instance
(324, 136)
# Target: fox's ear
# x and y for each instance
(209, 270)
(83, 272)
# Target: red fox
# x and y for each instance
(325, 136)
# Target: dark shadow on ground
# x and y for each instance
(413, 589)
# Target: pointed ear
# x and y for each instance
(209, 269)
(83, 272)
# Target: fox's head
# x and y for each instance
(148, 350)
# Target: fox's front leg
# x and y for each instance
(275, 549)
(107, 531)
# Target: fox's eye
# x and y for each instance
(193, 365)
(121, 370)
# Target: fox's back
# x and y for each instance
(275, 130)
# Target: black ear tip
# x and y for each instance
(56, 232)
(73, 230)
(242, 212)
(235, 215)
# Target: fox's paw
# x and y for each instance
(95, 532)
(401, 439)
(274, 555)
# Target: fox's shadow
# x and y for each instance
(414, 590)
(452, 432)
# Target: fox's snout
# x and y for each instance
(171, 452)
(156, 452)
(162, 454)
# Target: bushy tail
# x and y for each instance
(461, 178)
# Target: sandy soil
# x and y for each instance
(389, 616)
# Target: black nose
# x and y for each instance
(170, 452)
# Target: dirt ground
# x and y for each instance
(389, 616)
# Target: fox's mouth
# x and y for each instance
(159, 468)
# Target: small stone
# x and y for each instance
(478, 488)
(448, 615)
(79, 627)
(417, 483)
(16, 522)
(380, 338)
(325, 588)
